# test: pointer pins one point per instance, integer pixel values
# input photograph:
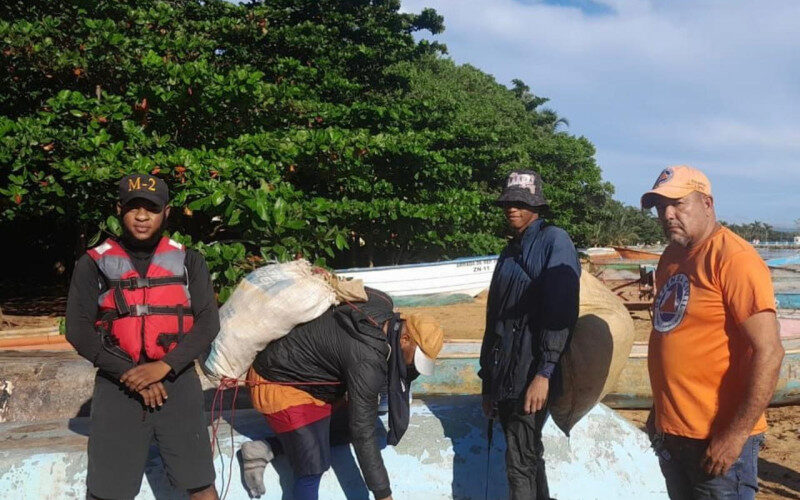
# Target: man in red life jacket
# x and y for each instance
(141, 308)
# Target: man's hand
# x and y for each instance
(489, 409)
(763, 333)
(142, 376)
(154, 395)
(536, 395)
(722, 452)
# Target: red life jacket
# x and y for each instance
(144, 316)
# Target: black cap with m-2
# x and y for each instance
(523, 186)
(145, 186)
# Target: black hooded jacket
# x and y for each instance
(532, 309)
(346, 344)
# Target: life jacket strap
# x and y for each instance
(111, 344)
(148, 310)
(121, 304)
(166, 339)
(139, 282)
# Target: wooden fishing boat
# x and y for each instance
(457, 372)
(49, 337)
(631, 281)
(785, 273)
(465, 277)
(447, 282)
(600, 254)
(637, 254)
(633, 386)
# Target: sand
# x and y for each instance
(779, 461)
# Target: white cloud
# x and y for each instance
(712, 83)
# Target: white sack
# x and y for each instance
(265, 305)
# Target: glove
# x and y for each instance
(255, 457)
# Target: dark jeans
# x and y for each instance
(527, 479)
(308, 448)
(681, 463)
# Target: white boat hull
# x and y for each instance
(468, 276)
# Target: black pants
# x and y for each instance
(527, 479)
(122, 431)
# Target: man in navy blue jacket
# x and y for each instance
(532, 308)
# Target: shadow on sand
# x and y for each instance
(786, 482)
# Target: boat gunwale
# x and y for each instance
(636, 348)
(421, 264)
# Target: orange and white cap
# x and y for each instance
(676, 182)
(429, 337)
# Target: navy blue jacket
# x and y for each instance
(532, 308)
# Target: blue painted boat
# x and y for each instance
(784, 261)
(443, 455)
(788, 300)
(633, 386)
(457, 372)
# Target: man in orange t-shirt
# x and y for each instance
(715, 350)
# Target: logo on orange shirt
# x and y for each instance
(670, 305)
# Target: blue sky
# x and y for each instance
(714, 84)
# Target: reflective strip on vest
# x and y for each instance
(172, 260)
(111, 266)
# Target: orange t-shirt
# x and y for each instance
(698, 359)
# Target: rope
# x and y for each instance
(371, 320)
(217, 409)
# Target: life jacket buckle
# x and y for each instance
(140, 310)
(139, 282)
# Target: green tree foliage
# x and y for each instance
(758, 230)
(625, 225)
(284, 128)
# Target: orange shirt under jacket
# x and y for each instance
(698, 358)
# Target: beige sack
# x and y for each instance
(265, 306)
(601, 344)
(348, 290)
